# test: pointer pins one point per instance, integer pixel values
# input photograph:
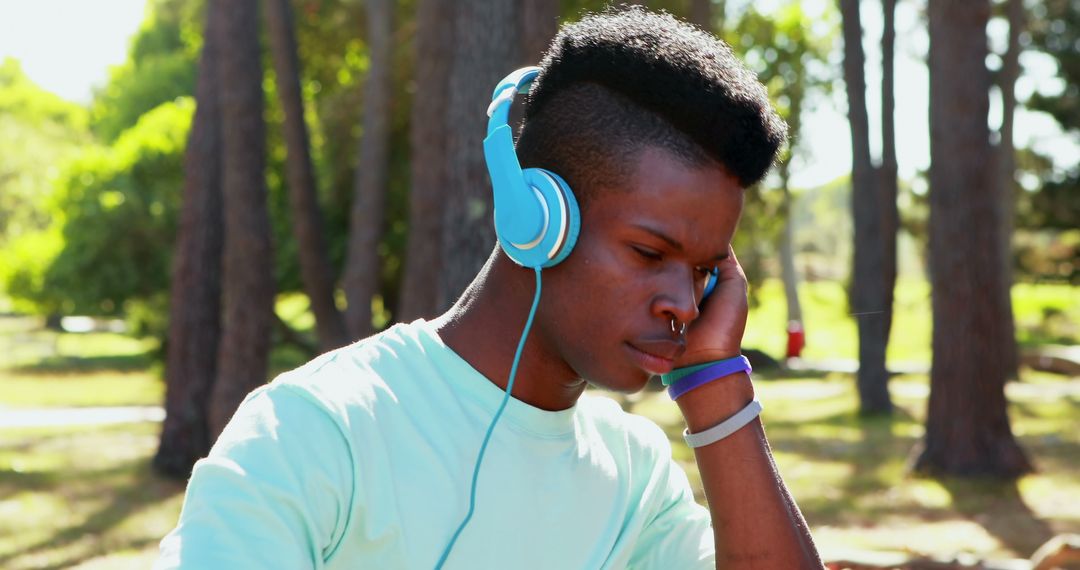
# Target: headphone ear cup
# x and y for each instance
(565, 215)
(572, 221)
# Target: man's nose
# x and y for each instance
(677, 297)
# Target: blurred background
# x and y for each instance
(196, 195)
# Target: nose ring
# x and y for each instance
(681, 329)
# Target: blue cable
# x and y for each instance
(491, 427)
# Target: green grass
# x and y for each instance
(47, 368)
(86, 498)
(1045, 314)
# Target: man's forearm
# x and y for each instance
(756, 524)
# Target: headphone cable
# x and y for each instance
(491, 427)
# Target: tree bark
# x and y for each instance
(967, 426)
(787, 249)
(485, 49)
(539, 22)
(1010, 71)
(195, 295)
(315, 268)
(868, 277)
(363, 267)
(701, 14)
(248, 297)
(888, 187)
(427, 134)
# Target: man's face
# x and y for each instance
(639, 263)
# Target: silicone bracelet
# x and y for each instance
(670, 378)
(724, 428)
(714, 371)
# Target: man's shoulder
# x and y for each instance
(362, 372)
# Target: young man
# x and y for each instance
(366, 457)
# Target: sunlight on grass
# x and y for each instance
(93, 389)
(71, 495)
(1045, 313)
(850, 476)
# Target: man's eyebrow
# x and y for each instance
(674, 243)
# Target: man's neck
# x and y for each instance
(485, 326)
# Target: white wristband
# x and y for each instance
(724, 428)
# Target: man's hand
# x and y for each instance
(717, 334)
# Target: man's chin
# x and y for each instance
(631, 383)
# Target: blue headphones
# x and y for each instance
(536, 215)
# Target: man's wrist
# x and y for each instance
(710, 404)
(694, 357)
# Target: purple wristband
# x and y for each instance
(715, 371)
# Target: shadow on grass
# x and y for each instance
(999, 508)
(79, 365)
(132, 487)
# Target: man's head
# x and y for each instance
(616, 82)
(658, 129)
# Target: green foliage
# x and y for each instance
(160, 67)
(38, 132)
(788, 49)
(117, 208)
(21, 98)
(1049, 210)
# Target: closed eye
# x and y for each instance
(650, 254)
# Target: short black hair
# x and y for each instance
(623, 79)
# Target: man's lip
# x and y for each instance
(656, 363)
(666, 348)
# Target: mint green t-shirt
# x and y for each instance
(363, 458)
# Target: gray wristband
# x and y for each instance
(724, 428)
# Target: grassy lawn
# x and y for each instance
(82, 498)
(46, 368)
(85, 497)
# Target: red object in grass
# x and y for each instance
(796, 339)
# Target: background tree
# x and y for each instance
(539, 22)
(967, 427)
(195, 303)
(702, 14)
(248, 274)
(478, 61)
(316, 272)
(888, 181)
(363, 265)
(428, 167)
(867, 293)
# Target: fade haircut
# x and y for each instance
(625, 79)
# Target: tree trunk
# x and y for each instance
(701, 14)
(787, 250)
(195, 296)
(248, 264)
(485, 50)
(363, 267)
(1010, 71)
(967, 427)
(539, 22)
(315, 267)
(887, 179)
(868, 278)
(427, 134)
